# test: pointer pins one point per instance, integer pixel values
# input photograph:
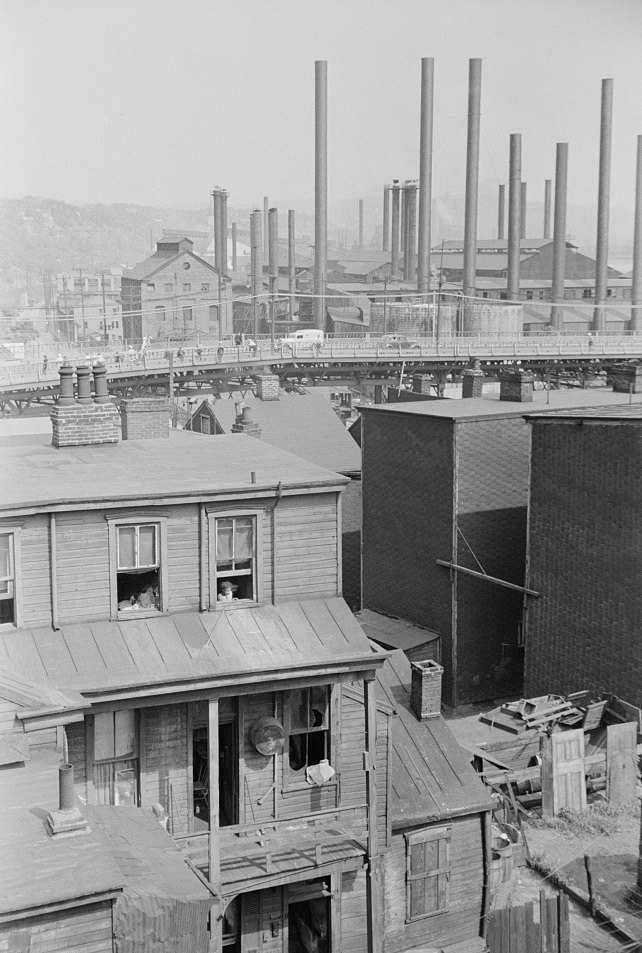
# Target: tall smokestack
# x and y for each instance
(360, 224)
(395, 229)
(320, 191)
(291, 262)
(233, 246)
(523, 205)
(410, 252)
(385, 243)
(224, 231)
(602, 252)
(636, 290)
(514, 202)
(256, 266)
(266, 233)
(216, 209)
(547, 208)
(501, 212)
(403, 223)
(273, 238)
(425, 174)
(472, 176)
(559, 235)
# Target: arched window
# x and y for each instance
(160, 312)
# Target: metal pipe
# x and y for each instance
(514, 198)
(256, 262)
(602, 251)
(320, 190)
(425, 174)
(636, 289)
(53, 572)
(291, 262)
(273, 239)
(472, 176)
(394, 266)
(547, 208)
(523, 205)
(360, 224)
(559, 235)
(385, 243)
(501, 213)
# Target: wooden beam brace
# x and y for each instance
(483, 575)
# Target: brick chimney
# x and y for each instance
(84, 420)
(425, 689)
(472, 381)
(421, 383)
(516, 384)
(626, 378)
(244, 422)
(144, 418)
(267, 386)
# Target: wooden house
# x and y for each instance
(225, 715)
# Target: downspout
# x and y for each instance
(279, 494)
(55, 621)
(204, 594)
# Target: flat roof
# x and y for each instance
(614, 411)
(472, 408)
(36, 474)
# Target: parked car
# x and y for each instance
(394, 340)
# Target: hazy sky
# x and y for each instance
(157, 102)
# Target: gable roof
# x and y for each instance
(304, 424)
(432, 778)
(160, 259)
(167, 653)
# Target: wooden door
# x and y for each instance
(621, 762)
(563, 782)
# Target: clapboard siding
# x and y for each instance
(87, 929)
(183, 559)
(164, 763)
(306, 546)
(353, 778)
(354, 924)
(76, 755)
(462, 921)
(258, 770)
(34, 572)
(82, 549)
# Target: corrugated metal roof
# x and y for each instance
(38, 869)
(302, 424)
(620, 412)
(36, 474)
(188, 648)
(431, 775)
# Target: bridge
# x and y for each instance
(211, 367)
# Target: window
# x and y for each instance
(587, 293)
(187, 286)
(236, 555)
(137, 567)
(205, 286)
(151, 288)
(92, 284)
(160, 312)
(7, 580)
(187, 315)
(427, 872)
(116, 758)
(168, 287)
(308, 729)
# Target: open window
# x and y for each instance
(427, 872)
(8, 587)
(236, 558)
(308, 730)
(138, 570)
(116, 758)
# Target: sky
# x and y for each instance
(153, 102)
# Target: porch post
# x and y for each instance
(374, 906)
(214, 868)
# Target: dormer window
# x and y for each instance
(235, 558)
(138, 567)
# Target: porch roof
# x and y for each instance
(184, 652)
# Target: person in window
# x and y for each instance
(226, 591)
(148, 597)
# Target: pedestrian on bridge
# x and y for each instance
(45, 364)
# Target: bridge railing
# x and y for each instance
(496, 347)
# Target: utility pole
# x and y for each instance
(105, 335)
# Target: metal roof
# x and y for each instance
(432, 778)
(394, 633)
(182, 466)
(188, 649)
(621, 412)
(303, 424)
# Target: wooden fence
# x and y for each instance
(531, 928)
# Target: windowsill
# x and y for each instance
(8, 626)
(137, 612)
(426, 916)
(233, 604)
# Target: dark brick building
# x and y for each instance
(448, 480)
(585, 553)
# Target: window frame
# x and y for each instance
(257, 514)
(130, 759)
(116, 523)
(14, 532)
(442, 873)
(288, 781)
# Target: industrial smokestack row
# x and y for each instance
(320, 190)
(514, 210)
(604, 185)
(394, 238)
(291, 261)
(559, 235)
(472, 176)
(410, 230)
(256, 267)
(425, 175)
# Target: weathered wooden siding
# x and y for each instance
(354, 922)
(183, 558)
(462, 921)
(306, 545)
(34, 571)
(164, 763)
(76, 748)
(83, 566)
(353, 777)
(87, 929)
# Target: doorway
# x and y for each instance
(228, 769)
(309, 918)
